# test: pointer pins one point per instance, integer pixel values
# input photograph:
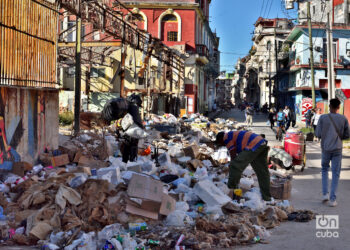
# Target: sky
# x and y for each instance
(233, 21)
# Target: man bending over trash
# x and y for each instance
(246, 147)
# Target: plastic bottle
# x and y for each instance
(141, 226)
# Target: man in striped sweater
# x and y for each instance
(246, 147)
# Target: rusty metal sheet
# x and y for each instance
(28, 38)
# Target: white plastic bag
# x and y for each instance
(127, 121)
(135, 131)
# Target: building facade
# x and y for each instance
(28, 81)
(184, 25)
(299, 85)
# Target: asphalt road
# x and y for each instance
(306, 194)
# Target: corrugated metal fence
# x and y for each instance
(28, 35)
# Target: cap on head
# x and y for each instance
(220, 138)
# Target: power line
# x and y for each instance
(267, 4)
(262, 7)
(270, 8)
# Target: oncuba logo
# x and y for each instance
(327, 226)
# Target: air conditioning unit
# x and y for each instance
(318, 49)
(348, 53)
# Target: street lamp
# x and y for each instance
(268, 47)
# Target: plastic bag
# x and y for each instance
(246, 183)
(182, 206)
(135, 131)
(178, 218)
(127, 121)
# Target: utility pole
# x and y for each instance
(276, 65)
(311, 47)
(77, 88)
(269, 49)
(330, 53)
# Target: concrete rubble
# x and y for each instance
(82, 196)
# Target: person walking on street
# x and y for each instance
(315, 119)
(272, 117)
(332, 128)
(293, 118)
(281, 120)
(249, 115)
(309, 114)
(246, 148)
(286, 111)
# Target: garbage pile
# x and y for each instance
(82, 196)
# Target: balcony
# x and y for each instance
(203, 53)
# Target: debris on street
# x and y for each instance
(82, 196)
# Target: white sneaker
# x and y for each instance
(333, 203)
(325, 197)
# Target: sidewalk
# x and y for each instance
(306, 194)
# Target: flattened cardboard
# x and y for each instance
(60, 160)
(145, 187)
(168, 205)
(77, 156)
(192, 151)
(151, 206)
(139, 211)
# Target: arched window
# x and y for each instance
(138, 18)
(169, 18)
(170, 26)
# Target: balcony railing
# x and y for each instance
(202, 50)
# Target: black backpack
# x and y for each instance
(115, 109)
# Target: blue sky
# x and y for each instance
(233, 20)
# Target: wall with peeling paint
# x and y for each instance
(30, 121)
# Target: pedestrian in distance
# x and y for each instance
(309, 114)
(249, 116)
(293, 118)
(272, 117)
(281, 121)
(315, 119)
(246, 148)
(332, 128)
(286, 111)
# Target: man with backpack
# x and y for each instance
(332, 128)
(281, 119)
(116, 109)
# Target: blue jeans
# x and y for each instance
(335, 158)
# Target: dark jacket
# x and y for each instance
(117, 108)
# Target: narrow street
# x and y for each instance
(306, 194)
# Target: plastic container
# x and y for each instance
(294, 144)
(142, 226)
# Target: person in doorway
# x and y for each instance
(246, 148)
(332, 128)
(286, 112)
(116, 109)
(272, 117)
(249, 115)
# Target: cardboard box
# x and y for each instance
(19, 168)
(146, 188)
(195, 163)
(168, 205)
(139, 211)
(60, 160)
(281, 189)
(70, 149)
(45, 159)
(192, 151)
(77, 156)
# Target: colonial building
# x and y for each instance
(184, 25)
(261, 71)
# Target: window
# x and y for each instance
(71, 72)
(335, 41)
(169, 18)
(95, 72)
(172, 36)
(71, 32)
(314, 9)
